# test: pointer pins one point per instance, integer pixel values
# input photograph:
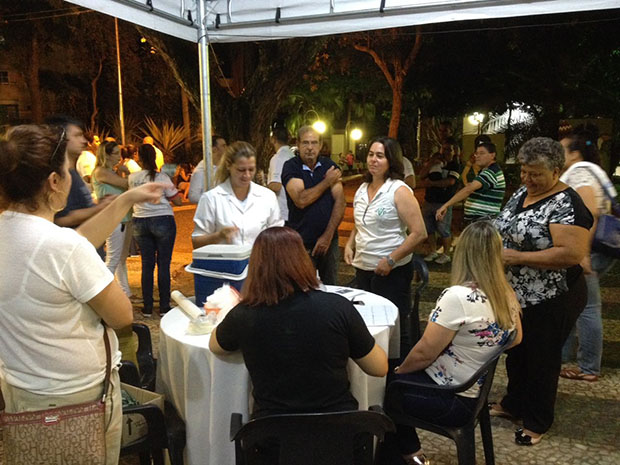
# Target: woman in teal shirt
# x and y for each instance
(107, 181)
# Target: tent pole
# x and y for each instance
(205, 94)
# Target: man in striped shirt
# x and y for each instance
(484, 194)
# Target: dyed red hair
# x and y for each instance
(279, 266)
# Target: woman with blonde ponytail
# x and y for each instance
(472, 320)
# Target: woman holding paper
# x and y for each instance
(296, 340)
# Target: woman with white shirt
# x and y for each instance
(55, 292)
(584, 174)
(155, 231)
(237, 210)
(388, 226)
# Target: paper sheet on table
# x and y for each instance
(376, 315)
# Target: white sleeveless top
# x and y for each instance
(380, 230)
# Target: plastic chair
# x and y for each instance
(345, 438)
(463, 436)
(155, 441)
(166, 430)
(146, 363)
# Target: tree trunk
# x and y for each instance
(397, 105)
(93, 90)
(33, 80)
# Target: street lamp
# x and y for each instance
(318, 125)
(476, 120)
(354, 134)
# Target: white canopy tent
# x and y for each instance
(252, 20)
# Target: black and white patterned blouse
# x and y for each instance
(527, 230)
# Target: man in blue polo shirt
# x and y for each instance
(315, 200)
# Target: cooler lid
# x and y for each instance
(222, 252)
(218, 274)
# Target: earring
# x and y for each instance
(49, 203)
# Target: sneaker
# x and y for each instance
(147, 315)
(431, 256)
(443, 259)
(135, 299)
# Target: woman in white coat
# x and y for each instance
(237, 209)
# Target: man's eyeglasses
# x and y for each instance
(60, 140)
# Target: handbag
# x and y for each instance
(73, 434)
(607, 235)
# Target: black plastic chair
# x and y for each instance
(152, 445)
(146, 363)
(166, 430)
(345, 438)
(463, 436)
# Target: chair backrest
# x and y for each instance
(129, 374)
(316, 438)
(146, 362)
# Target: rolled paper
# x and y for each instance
(186, 305)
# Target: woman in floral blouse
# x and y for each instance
(544, 227)
(472, 320)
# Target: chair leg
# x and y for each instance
(158, 456)
(175, 453)
(145, 458)
(487, 436)
(466, 447)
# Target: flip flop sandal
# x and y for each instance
(523, 439)
(578, 375)
(496, 410)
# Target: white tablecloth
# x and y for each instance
(206, 388)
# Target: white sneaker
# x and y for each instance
(443, 259)
(431, 256)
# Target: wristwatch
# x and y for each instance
(390, 261)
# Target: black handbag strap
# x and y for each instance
(108, 368)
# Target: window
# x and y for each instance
(4, 77)
(10, 112)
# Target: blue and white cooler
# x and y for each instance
(217, 264)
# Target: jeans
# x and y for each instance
(438, 407)
(589, 327)
(155, 236)
(442, 227)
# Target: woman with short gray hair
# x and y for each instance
(544, 227)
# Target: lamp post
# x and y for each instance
(354, 134)
(318, 125)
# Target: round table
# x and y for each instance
(206, 389)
